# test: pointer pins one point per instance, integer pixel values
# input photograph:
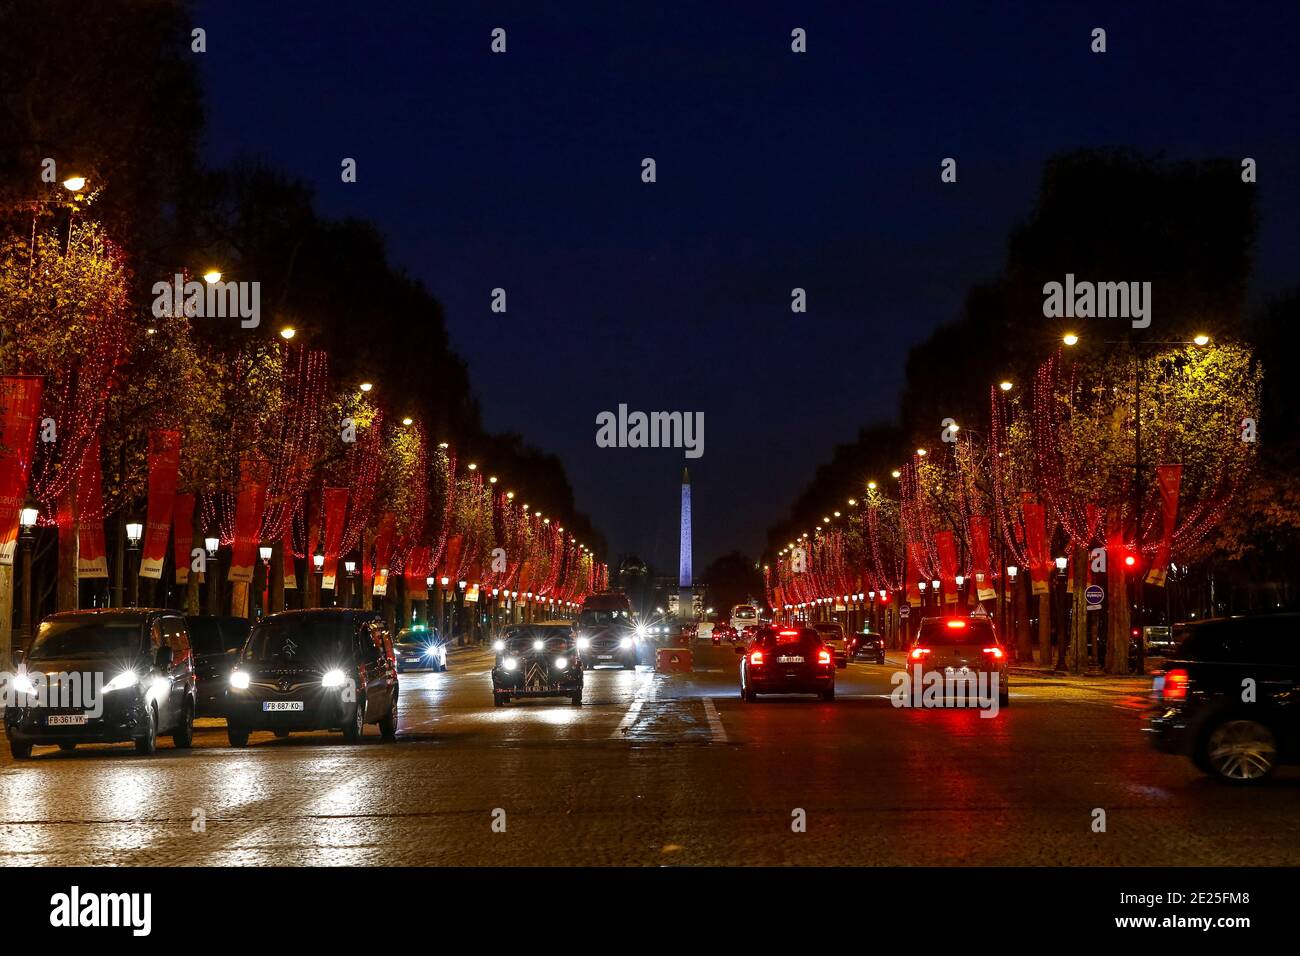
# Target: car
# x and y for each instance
(419, 648)
(1199, 706)
(787, 660)
(609, 637)
(743, 615)
(867, 646)
(833, 634)
(319, 669)
(722, 631)
(217, 642)
(537, 660)
(123, 675)
(961, 647)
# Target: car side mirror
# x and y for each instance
(164, 658)
(18, 656)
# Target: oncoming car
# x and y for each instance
(537, 660)
(787, 660)
(961, 648)
(606, 634)
(418, 648)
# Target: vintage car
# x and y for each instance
(537, 660)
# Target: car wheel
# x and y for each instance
(183, 739)
(280, 732)
(388, 725)
(237, 735)
(828, 694)
(880, 659)
(68, 746)
(148, 742)
(1239, 751)
(1004, 698)
(499, 700)
(576, 699)
(20, 751)
(355, 728)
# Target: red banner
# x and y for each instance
(249, 504)
(183, 539)
(979, 549)
(383, 553)
(92, 553)
(1170, 479)
(946, 545)
(913, 573)
(451, 558)
(20, 406)
(288, 560)
(1036, 545)
(164, 461)
(417, 571)
(336, 508)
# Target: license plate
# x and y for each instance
(790, 659)
(605, 657)
(281, 705)
(65, 720)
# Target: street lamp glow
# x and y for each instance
(288, 332)
(896, 473)
(408, 421)
(1012, 571)
(211, 276)
(27, 517)
(1201, 339)
(212, 544)
(1070, 338)
(134, 532)
(472, 466)
(1005, 386)
(492, 479)
(871, 485)
(921, 452)
(74, 184)
(1061, 563)
(265, 553)
(366, 386)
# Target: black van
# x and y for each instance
(1228, 697)
(104, 676)
(217, 642)
(318, 669)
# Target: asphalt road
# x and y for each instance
(659, 769)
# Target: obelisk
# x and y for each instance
(685, 599)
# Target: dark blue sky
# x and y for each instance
(775, 170)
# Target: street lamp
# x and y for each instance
(288, 332)
(74, 184)
(1069, 338)
(134, 532)
(27, 519)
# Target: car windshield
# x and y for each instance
(205, 635)
(413, 635)
(830, 631)
(100, 636)
(593, 618)
(319, 641)
(804, 636)
(535, 632)
(949, 631)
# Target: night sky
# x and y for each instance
(775, 170)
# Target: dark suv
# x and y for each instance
(217, 642)
(105, 676)
(314, 670)
(1229, 696)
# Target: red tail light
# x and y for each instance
(957, 625)
(1176, 682)
(823, 657)
(994, 652)
(756, 657)
(918, 653)
(789, 633)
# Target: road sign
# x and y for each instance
(1093, 595)
(904, 611)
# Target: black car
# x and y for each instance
(962, 648)
(609, 638)
(787, 660)
(419, 648)
(537, 660)
(217, 642)
(104, 676)
(867, 646)
(323, 669)
(1229, 697)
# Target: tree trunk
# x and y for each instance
(277, 578)
(238, 599)
(1020, 613)
(1045, 627)
(1117, 617)
(66, 596)
(191, 599)
(367, 570)
(310, 593)
(6, 615)
(1077, 656)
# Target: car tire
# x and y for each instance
(68, 746)
(388, 724)
(749, 696)
(183, 738)
(499, 700)
(1237, 750)
(148, 742)
(280, 733)
(576, 698)
(20, 751)
(880, 659)
(1004, 698)
(355, 728)
(237, 735)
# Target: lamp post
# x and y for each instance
(1012, 570)
(264, 552)
(350, 569)
(27, 518)
(318, 565)
(134, 532)
(445, 623)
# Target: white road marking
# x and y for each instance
(628, 720)
(715, 722)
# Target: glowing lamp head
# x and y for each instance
(1069, 338)
(74, 184)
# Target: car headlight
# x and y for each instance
(498, 646)
(333, 678)
(625, 643)
(122, 681)
(510, 663)
(640, 632)
(24, 684)
(561, 663)
(431, 651)
(239, 680)
(538, 645)
(584, 643)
